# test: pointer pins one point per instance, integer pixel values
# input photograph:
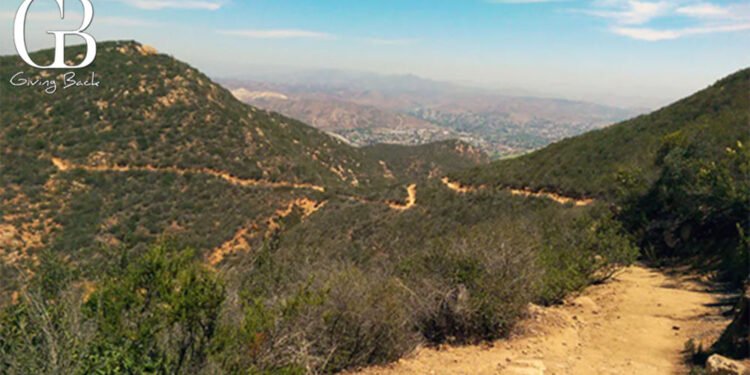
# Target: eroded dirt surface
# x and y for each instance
(637, 323)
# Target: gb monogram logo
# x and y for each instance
(59, 61)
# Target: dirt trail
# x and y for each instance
(64, 165)
(638, 323)
(411, 200)
(240, 242)
(463, 189)
(458, 187)
(555, 197)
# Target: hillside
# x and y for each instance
(595, 164)
(155, 224)
(433, 160)
(157, 148)
(153, 110)
(677, 179)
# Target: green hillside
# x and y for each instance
(433, 160)
(154, 110)
(157, 147)
(157, 225)
(678, 179)
(596, 163)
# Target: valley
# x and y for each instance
(160, 225)
(367, 109)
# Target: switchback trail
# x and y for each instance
(65, 166)
(241, 240)
(637, 323)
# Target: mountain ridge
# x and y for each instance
(592, 164)
(155, 129)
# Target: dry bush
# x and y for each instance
(321, 317)
(475, 287)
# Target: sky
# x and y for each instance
(621, 52)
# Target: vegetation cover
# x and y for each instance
(431, 160)
(176, 230)
(597, 163)
(677, 179)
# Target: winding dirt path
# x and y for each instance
(638, 323)
(555, 197)
(64, 165)
(458, 187)
(241, 241)
(411, 200)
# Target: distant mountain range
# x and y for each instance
(156, 224)
(367, 108)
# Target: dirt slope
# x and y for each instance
(638, 323)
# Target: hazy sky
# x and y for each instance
(621, 51)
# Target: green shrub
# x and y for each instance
(588, 250)
(158, 316)
(699, 206)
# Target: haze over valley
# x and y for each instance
(367, 108)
